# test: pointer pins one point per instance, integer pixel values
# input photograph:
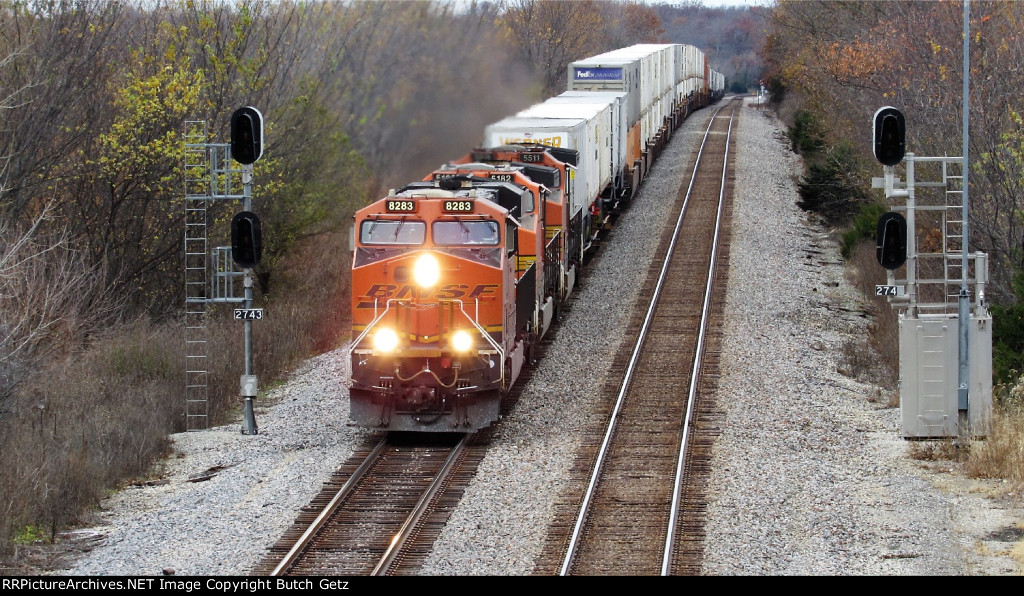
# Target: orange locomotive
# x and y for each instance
(447, 302)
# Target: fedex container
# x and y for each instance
(607, 72)
(638, 70)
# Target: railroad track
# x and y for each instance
(380, 512)
(642, 510)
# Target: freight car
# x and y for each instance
(457, 277)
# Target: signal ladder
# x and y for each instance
(209, 175)
(946, 202)
(197, 197)
(953, 231)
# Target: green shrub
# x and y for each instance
(864, 227)
(806, 135)
(829, 187)
(29, 535)
(1008, 336)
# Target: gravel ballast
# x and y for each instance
(810, 474)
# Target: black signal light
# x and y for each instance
(246, 135)
(246, 240)
(891, 240)
(889, 132)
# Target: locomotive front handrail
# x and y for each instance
(462, 308)
(483, 332)
(485, 335)
(355, 342)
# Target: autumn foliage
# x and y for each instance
(841, 61)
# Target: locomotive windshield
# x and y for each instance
(392, 231)
(461, 232)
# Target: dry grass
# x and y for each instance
(947, 449)
(879, 364)
(1001, 454)
(98, 418)
(84, 423)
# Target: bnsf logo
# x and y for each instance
(381, 293)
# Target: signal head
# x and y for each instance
(891, 240)
(246, 135)
(246, 240)
(889, 134)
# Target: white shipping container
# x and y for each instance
(609, 73)
(657, 74)
(619, 124)
(598, 146)
(656, 56)
(576, 133)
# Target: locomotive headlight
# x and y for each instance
(462, 341)
(385, 340)
(426, 271)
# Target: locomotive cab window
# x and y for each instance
(527, 203)
(461, 232)
(392, 231)
(510, 237)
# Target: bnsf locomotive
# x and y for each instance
(457, 277)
